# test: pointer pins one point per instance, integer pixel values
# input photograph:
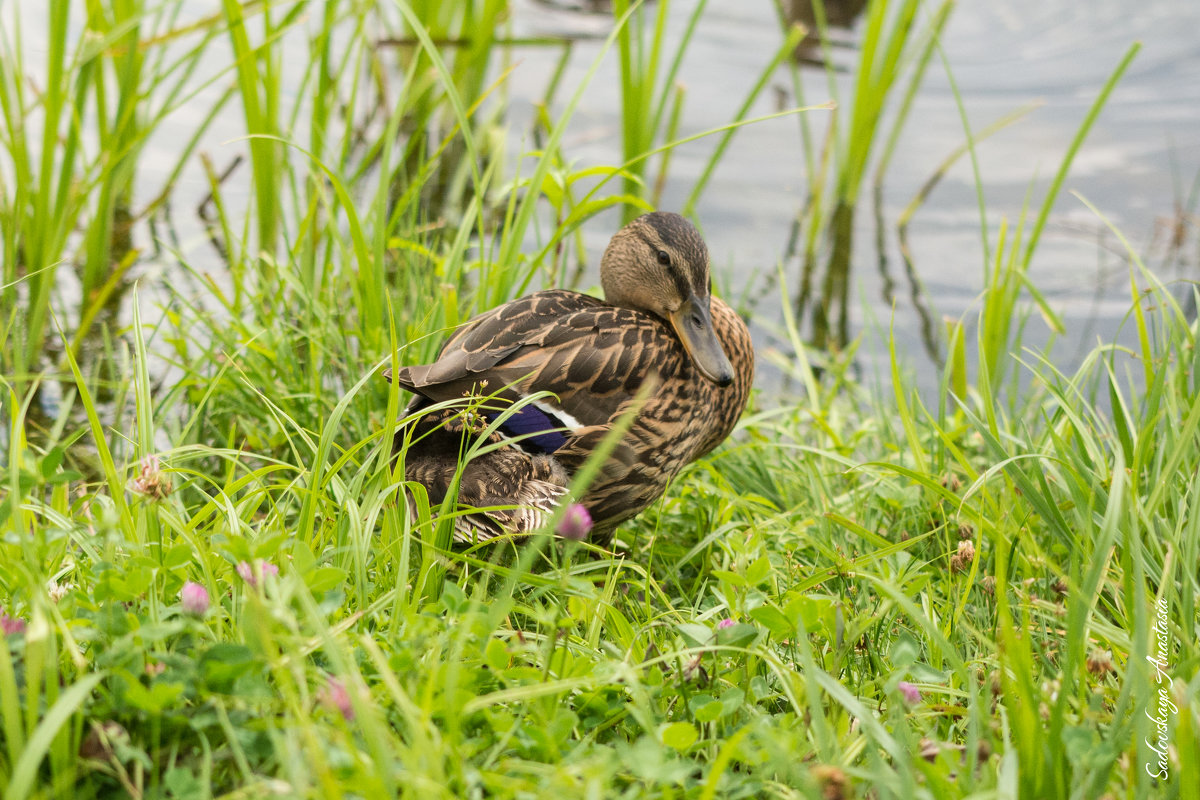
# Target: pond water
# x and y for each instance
(1137, 165)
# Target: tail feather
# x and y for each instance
(523, 488)
(530, 510)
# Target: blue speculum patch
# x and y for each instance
(530, 419)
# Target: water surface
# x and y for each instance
(1137, 165)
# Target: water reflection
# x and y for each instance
(895, 53)
(930, 335)
(835, 16)
(1003, 55)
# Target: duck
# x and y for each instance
(544, 378)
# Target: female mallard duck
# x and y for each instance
(659, 323)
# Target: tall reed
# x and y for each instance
(894, 47)
(70, 155)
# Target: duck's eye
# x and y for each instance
(664, 258)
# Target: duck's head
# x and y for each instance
(658, 263)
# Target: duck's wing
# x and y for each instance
(593, 357)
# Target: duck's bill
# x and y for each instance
(693, 323)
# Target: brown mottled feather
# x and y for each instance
(593, 357)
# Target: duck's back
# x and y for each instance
(592, 356)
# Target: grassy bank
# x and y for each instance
(209, 588)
